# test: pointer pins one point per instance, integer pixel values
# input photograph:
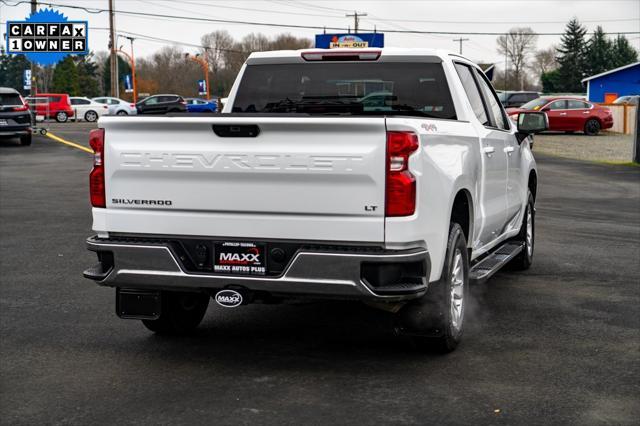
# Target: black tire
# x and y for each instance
(524, 260)
(25, 140)
(181, 313)
(91, 116)
(62, 117)
(592, 127)
(429, 321)
(122, 113)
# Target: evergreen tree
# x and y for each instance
(12, 72)
(65, 77)
(622, 53)
(87, 77)
(123, 69)
(571, 57)
(599, 53)
(551, 81)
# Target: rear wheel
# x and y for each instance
(592, 127)
(527, 236)
(91, 116)
(435, 321)
(25, 140)
(62, 117)
(181, 313)
(122, 113)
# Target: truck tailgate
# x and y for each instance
(299, 178)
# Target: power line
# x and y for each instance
(165, 40)
(269, 24)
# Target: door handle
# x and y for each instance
(563, 113)
(488, 150)
(509, 150)
(585, 112)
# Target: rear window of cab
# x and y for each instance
(346, 88)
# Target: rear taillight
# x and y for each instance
(21, 108)
(401, 184)
(132, 105)
(96, 177)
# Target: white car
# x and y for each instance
(117, 106)
(299, 190)
(86, 109)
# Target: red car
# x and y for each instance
(569, 114)
(52, 105)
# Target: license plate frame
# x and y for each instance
(239, 258)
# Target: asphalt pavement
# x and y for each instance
(558, 344)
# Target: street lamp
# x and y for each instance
(132, 62)
(204, 64)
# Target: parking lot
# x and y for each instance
(557, 344)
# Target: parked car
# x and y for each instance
(309, 193)
(117, 106)
(15, 117)
(627, 100)
(569, 114)
(86, 109)
(516, 99)
(201, 105)
(161, 104)
(52, 105)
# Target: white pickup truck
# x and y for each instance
(390, 176)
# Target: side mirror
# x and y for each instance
(532, 122)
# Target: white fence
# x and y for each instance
(624, 118)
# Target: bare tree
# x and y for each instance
(544, 60)
(217, 43)
(517, 45)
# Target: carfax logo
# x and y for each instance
(47, 37)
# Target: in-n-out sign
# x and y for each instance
(28, 37)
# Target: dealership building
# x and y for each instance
(609, 85)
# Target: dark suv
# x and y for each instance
(516, 99)
(15, 117)
(161, 104)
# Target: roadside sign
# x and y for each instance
(353, 41)
(47, 37)
(128, 88)
(202, 87)
(26, 79)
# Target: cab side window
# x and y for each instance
(471, 89)
(499, 117)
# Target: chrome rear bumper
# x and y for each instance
(322, 273)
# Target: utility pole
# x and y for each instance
(506, 51)
(460, 40)
(32, 88)
(112, 46)
(356, 19)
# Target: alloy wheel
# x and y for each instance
(457, 291)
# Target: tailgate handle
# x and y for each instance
(236, 130)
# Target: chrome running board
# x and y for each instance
(483, 270)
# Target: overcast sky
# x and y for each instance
(466, 16)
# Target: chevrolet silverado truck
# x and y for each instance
(389, 176)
